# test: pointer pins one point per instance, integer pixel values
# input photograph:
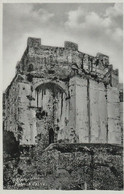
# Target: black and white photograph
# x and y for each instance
(62, 95)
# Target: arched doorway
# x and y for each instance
(51, 136)
(50, 99)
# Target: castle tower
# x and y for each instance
(60, 94)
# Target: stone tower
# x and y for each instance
(60, 94)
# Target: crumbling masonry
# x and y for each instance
(60, 94)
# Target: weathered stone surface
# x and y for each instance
(121, 108)
(63, 96)
(114, 126)
(81, 111)
(98, 112)
(60, 94)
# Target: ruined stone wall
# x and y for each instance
(98, 112)
(62, 89)
(11, 108)
(81, 111)
(62, 61)
(27, 117)
(113, 106)
(66, 167)
(121, 108)
(18, 117)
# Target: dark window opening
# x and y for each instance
(57, 128)
(30, 68)
(29, 78)
(51, 136)
(40, 115)
(51, 71)
(121, 96)
(44, 92)
(82, 65)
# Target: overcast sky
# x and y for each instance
(96, 27)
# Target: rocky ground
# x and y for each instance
(64, 167)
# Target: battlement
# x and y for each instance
(71, 45)
(60, 61)
(33, 42)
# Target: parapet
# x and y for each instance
(103, 58)
(102, 55)
(96, 67)
(71, 45)
(33, 42)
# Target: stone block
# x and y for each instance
(71, 45)
(34, 42)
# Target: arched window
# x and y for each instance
(51, 136)
(30, 68)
